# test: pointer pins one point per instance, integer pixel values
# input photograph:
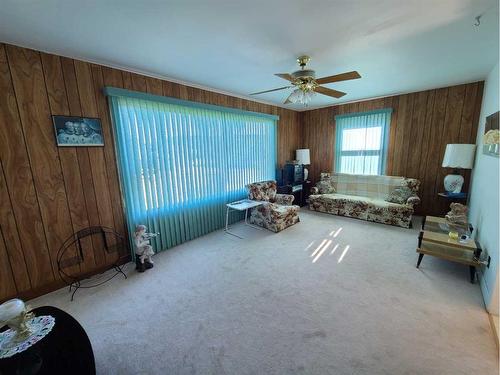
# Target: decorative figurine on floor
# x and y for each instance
(143, 249)
(458, 214)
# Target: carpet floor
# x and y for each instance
(330, 295)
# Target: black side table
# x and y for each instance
(295, 190)
(300, 192)
(306, 190)
(65, 350)
(454, 197)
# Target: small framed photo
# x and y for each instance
(78, 131)
(491, 138)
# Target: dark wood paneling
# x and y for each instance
(20, 185)
(58, 104)
(109, 152)
(13, 252)
(7, 286)
(422, 124)
(87, 193)
(96, 158)
(34, 111)
(47, 192)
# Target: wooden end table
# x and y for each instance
(434, 240)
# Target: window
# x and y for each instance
(361, 142)
(180, 163)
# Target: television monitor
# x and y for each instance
(293, 174)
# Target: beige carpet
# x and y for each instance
(276, 304)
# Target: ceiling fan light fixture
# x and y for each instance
(294, 96)
(307, 85)
(301, 96)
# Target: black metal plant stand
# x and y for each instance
(69, 260)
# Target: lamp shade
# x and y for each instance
(459, 156)
(302, 156)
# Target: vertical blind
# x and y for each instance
(180, 164)
(361, 142)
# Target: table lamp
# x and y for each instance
(303, 157)
(457, 156)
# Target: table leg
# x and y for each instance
(420, 256)
(472, 271)
(226, 229)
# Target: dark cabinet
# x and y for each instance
(299, 191)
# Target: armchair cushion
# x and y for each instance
(284, 199)
(274, 217)
(262, 191)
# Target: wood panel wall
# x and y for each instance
(422, 124)
(47, 193)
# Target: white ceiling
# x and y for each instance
(235, 46)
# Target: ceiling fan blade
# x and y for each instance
(262, 92)
(329, 92)
(338, 77)
(286, 76)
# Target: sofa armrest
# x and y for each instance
(413, 200)
(284, 199)
(314, 191)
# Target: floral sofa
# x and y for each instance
(364, 197)
(277, 211)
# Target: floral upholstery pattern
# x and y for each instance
(400, 195)
(262, 191)
(371, 205)
(413, 201)
(325, 186)
(284, 199)
(277, 211)
(412, 183)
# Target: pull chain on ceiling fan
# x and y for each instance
(306, 85)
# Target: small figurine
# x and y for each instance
(458, 214)
(16, 315)
(143, 249)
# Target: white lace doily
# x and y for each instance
(40, 326)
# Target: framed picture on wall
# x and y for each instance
(78, 131)
(491, 139)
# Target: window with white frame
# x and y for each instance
(361, 142)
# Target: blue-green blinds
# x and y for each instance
(361, 142)
(179, 165)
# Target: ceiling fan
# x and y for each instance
(306, 84)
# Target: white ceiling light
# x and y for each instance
(301, 97)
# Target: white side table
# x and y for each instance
(242, 205)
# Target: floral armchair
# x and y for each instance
(277, 211)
